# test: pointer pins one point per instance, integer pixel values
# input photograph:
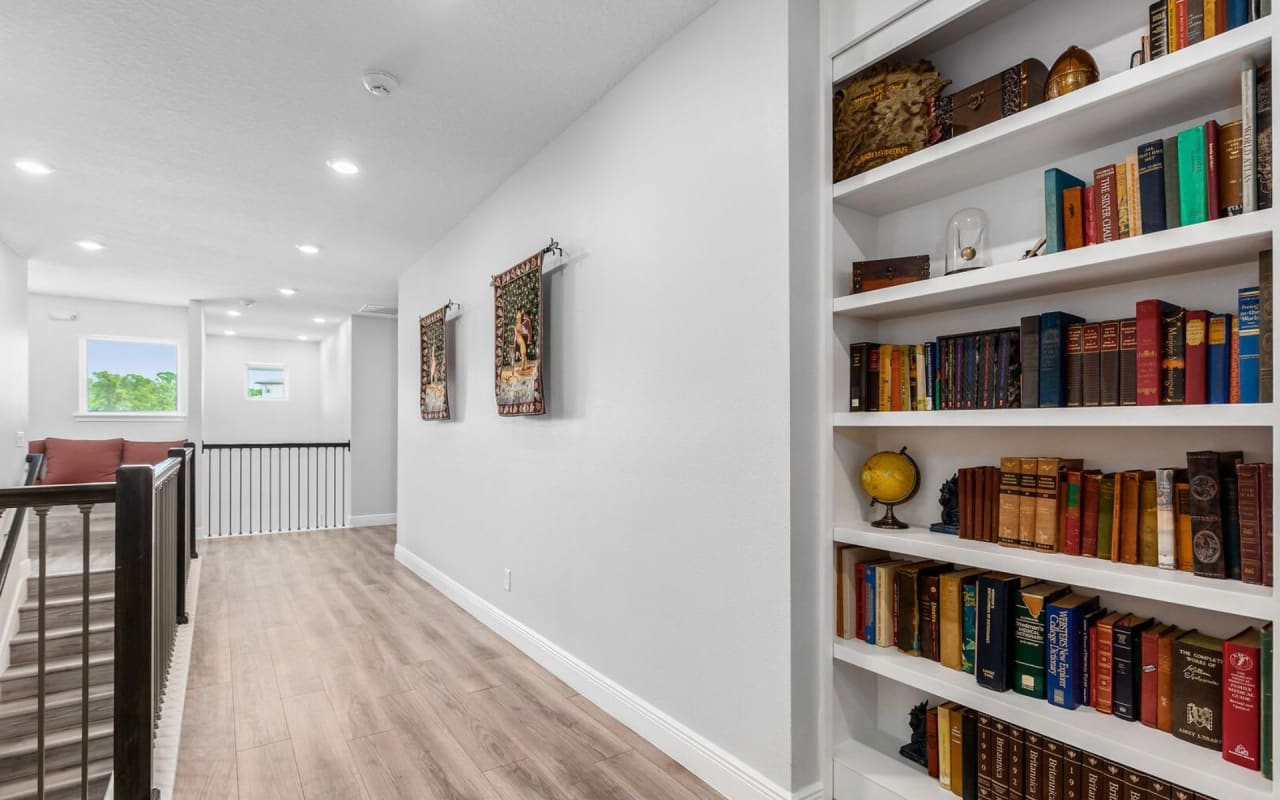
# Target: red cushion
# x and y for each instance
(82, 460)
(147, 452)
(36, 446)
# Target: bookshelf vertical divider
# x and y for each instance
(900, 209)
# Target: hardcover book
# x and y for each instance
(1242, 699)
(1109, 363)
(1182, 510)
(1265, 494)
(1151, 181)
(956, 738)
(1197, 690)
(1212, 163)
(1106, 632)
(1104, 179)
(1150, 674)
(969, 620)
(1055, 183)
(1148, 521)
(1106, 509)
(969, 754)
(996, 598)
(1091, 364)
(1027, 503)
(860, 375)
(884, 585)
(1030, 618)
(1173, 363)
(1164, 678)
(1065, 648)
(1053, 364)
(1248, 312)
(1029, 348)
(1166, 520)
(1047, 480)
(1033, 766)
(1197, 351)
(1126, 676)
(1010, 500)
(944, 744)
(1172, 196)
(1207, 540)
(1151, 349)
(1129, 362)
(986, 753)
(1262, 134)
(1265, 740)
(1218, 359)
(1130, 516)
(931, 741)
(1157, 27)
(1266, 349)
(1192, 176)
(1250, 513)
(1230, 170)
(1054, 771)
(1124, 214)
(1070, 533)
(1073, 213)
(1075, 365)
(1227, 463)
(1090, 500)
(1017, 761)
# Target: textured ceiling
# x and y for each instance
(190, 136)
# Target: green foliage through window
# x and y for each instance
(109, 391)
(123, 376)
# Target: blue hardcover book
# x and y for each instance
(1249, 346)
(1151, 185)
(869, 598)
(1218, 367)
(969, 622)
(1065, 641)
(1053, 362)
(1055, 183)
(993, 661)
(1237, 13)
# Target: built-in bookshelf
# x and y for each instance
(901, 209)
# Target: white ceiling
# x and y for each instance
(190, 137)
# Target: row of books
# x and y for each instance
(1163, 355)
(1203, 173)
(968, 370)
(979, 757)
(1145, 517)
(1041, 640)
(1177, 24)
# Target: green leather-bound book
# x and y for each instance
(1106, 506)
(1193, 190)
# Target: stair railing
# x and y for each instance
(35, 465)
(151, 531)
(271, 487)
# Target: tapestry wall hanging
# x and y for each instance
(435, 370)
(518, 353)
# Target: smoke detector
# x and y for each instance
(380, 83)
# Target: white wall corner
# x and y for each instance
(720, 769)
(815, 791)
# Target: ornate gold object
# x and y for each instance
(1073, 70)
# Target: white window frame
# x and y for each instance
(82, 381)
(284, 368)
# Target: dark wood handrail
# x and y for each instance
(269, 445)
(35, 465)
(57, 494)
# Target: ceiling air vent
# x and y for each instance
(382, 311)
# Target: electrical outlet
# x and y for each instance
(506, 579)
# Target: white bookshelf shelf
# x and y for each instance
(1199, 80)
(1129, 743)
(1168, 586)
(1240, 415)
(885, 768)
(1218, 243)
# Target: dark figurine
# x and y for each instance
(949, 499)
(917, 749)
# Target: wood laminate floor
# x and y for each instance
(323, 670)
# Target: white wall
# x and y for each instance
(229, 416)
(373, 416)
(55, 364)
(335, 378)
(13, 363)
(647, 517)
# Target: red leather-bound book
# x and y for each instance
(1091, 215)
(931, 741)
(1241, 698)
(1150, 315)
(1264, 503)
(1197, 357)
(1104, 650)
(1249, 513)
(1150, 677)
(1211, 156)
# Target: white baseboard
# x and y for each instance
(369, 520)
(814, 791)
(723, 771)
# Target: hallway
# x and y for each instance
(321, 668)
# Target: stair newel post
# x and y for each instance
(85, 509)
(184, 526)
(42, 515)
(134, 633)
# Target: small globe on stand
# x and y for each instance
(890, 478)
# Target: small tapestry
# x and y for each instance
(435, 373)
(518, 353)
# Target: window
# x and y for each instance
(128, 376)
(267, 382)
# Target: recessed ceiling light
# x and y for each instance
(287, 292)
(233, 313)
(308, 249)
(33, 167)
(228, 333)
(302, 338)
(90, 245)
(318, 320)
(342, 166)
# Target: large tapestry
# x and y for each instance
(435, 373)
(518, 352)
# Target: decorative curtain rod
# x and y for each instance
(553, 247)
